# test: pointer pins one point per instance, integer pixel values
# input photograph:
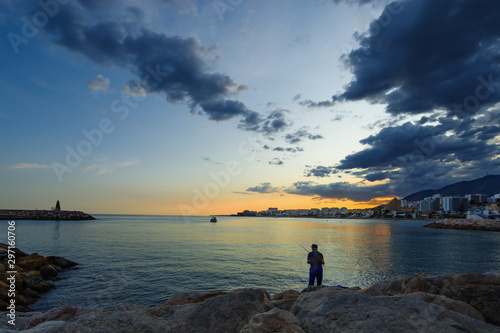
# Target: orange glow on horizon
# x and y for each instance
(229, 204)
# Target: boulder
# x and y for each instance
(61, 262)
(32, 261)
(17, 252)
(448, 303)
(287, 294)
(358, 312)
(191, 297)
(275, 320)
(223, 313)
(48, 272)
(63, 313)
(481, 291)
(285, 299)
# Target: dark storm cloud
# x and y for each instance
(341, 190)
(395, 146)
(438, 58)
(263, 188)
(371, 177)
(301, 135)
(169, 65)
(425, 55)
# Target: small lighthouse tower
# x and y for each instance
(58, 206)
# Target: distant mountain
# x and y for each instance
(489, 185)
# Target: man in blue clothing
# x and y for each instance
(315, 259)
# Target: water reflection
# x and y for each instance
(157, 256)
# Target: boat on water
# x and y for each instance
(213, 219)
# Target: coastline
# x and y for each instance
(27, 276)
(444, 303)
(62, 215)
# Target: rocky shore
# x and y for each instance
(33, 273)
(468, 224)
(421, 303)
(67, 215)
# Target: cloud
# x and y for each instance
(438, 59)
(274, 122)
(320, 171)
(163, 64)
(300, 135)
(106, 166)
(134, 88)
(182, 6)
(208, 159)
(100, 84)
(288, 149)
(276, 161)
(340, 191)
(421, 56)
(263, 188)
(29, 166)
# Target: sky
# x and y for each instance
(190, 107)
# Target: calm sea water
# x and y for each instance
(145, 259)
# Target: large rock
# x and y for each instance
(481, 291)
(223, 313)
(275, 320)
(358, 312)
(61, 262)
(32, 262)
(285, 299)
(48, 272)
(448, 303)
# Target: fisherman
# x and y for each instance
(315, 259)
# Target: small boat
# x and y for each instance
(213, 219)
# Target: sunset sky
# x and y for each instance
(212, 107)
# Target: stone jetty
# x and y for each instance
(468, 224)
(12, 214)
(420, 303)
(33, 273)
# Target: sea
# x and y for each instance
(143, 260)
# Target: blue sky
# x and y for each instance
(210, 107)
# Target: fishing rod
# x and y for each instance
(303, 247)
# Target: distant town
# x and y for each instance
(471, 206)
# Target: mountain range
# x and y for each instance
(489, 185)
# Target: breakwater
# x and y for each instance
(467, 224)
(21, 214)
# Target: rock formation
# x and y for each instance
(32, 278)
(421, 303)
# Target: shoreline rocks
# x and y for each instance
(33, 273)
(421, 303)
(467, 224)
(62, 215)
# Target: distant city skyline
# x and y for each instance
(195, 108)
